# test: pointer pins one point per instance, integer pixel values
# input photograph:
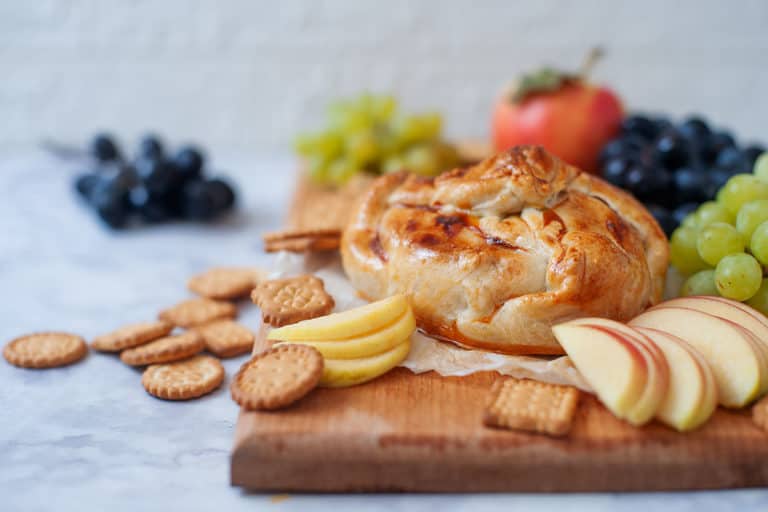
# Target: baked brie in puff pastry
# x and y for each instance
(495, 254)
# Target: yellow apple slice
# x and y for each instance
(692, 395)
(340, 373)
(610, 362)
(746, 317)
(657, 382)
(366, 345)
(347, 324)
(728, 349)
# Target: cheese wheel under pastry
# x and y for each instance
(493, 255)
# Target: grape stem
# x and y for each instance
(591, 59)
(63, 151)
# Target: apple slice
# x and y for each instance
(658, 370)
(611, 363)
(739, 305)
(692, 395)
(741, 314)
(728, 349)
(341, 373)
(345, 325)
(366, 345)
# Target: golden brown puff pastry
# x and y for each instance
(493, 255)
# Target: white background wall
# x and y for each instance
(249, 74)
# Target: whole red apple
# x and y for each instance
(566, 114)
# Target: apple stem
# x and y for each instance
(594, 55)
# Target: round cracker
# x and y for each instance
(183, 380)
(193, 312)
(131, 335)
(45, 350)
(226, 338)
(225, 282)
(277, 377)
(164, 350)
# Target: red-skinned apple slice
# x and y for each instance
(611, 363)
(728, 348)
(741, 314)
(737, 312)
(692, 395)
(658, 370)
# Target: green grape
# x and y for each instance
(717, 241)
(751, 215)
(432, 125)
(741, 189)
(305, 144)
(364, 103)
(683, 253)
(362, 148)
(408, 129)
(447, 155)
(418, 128)
(738, 276)
(700, 283)
(366, 133)
(422, 160)
(690, 221)
(710, 212)
(341, 170)
(317, 168)
(329, 145)
(758, 244)
(761, 167)
(393, 164)
(383, 108)
(759, 300)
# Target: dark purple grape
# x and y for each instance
(715, 144)
(223, 193)
(151, 209)
(189, 162)
(160, 177)
(629, 146)
(150, 146)
(663, 217)
(732, 160)
(691, 186)
(198, 201)
(109, 200)
(85, 183)
(695, 129)
(639, 125)
(104, 148)
(615, 170)
(671, 151)
(663, 125)
(649, 184)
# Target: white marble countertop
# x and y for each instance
(88, 437)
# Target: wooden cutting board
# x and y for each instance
(423, 433)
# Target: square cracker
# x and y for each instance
(531, 405)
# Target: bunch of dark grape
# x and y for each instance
(673, 168)
(153, 187)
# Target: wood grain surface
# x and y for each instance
(423, 433)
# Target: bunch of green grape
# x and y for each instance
(368, 134)
(723, 245)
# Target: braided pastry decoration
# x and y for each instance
(493, 255)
